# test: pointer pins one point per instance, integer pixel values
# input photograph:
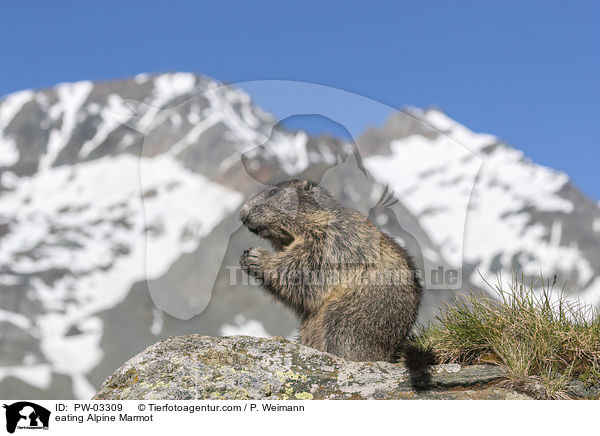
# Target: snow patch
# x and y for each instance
(9, 180)
(169, 86)
(82, 388)
(245, 327)
(157, 321)
(461, 134)
(16, 319)
(9, 153)
(290, 151)
(141, 78)
(194, 133)
(71, 97)
(111, 114)
(556, 233)
(10, 106)
(39, 376)
(166, 88)
(591, 295)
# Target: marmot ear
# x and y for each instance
(307, 185)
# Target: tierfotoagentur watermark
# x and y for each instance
(344, 277)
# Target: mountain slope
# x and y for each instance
(118, 217)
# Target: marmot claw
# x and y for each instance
(250, 259)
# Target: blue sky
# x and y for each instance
(528, 72)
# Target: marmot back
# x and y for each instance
(354, 289)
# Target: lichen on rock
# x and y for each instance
(243, 367)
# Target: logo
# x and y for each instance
(26, 415)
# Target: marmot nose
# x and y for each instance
(244, 213)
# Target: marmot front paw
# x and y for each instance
(251, 258)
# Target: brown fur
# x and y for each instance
(359, 318)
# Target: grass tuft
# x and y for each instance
(542, 339)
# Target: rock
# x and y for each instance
(577, 388)
(243, 367)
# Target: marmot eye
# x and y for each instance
(271, 193)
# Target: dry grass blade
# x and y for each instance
(541, 338)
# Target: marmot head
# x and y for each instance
(288, 210)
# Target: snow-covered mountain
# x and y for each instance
(118, 206)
